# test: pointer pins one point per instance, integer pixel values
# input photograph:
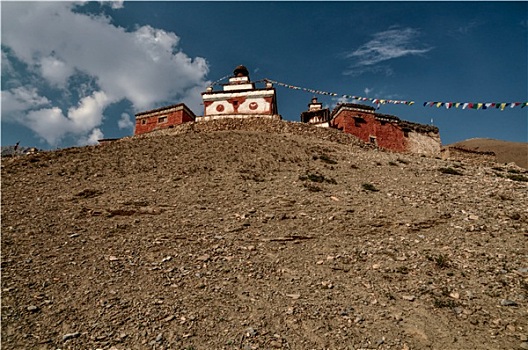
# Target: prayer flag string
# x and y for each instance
(217, 82)
(476, 105)
(359, 98)
(378, 101)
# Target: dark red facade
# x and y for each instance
(385, 131)
(163, 118)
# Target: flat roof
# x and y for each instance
(161, 109)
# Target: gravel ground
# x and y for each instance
(261, 235)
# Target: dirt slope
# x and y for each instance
(505, 151)
(274, 235)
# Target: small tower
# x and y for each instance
(316, 114)
(314, 105)
(240, 99)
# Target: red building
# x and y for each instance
(163, 118)
(386, 131)
(240, 98)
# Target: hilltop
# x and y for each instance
(261, 234)
(503, 151)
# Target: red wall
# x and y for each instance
(151, 122)
(388, 135)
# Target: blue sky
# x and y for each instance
(73, 73)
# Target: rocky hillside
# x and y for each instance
(261, 235)
(501, 151)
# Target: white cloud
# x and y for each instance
(144, 66)
(384, 46)
(465, 29)
(7, 67)
(20, 99)
(52, 125)
(115, 4)
(125, 122)
(378, 69)
(92, 139)
(343, 99)
(48, 123)
(89, 113)
(55, 71)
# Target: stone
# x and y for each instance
(454, 295)
(204, 257)
(359, 319)
(251, 332)
(523, 346)
(398, 316)
(276, 344)
(69, 336)
(408, 297)
(507, 302)
(327, 284)
(168, 318)
(32, 308)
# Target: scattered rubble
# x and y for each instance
(206, 238)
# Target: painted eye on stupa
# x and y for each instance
(220, 108)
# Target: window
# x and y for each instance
(358, 121)
(143, 121)
(162, 119)
(372, 139)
